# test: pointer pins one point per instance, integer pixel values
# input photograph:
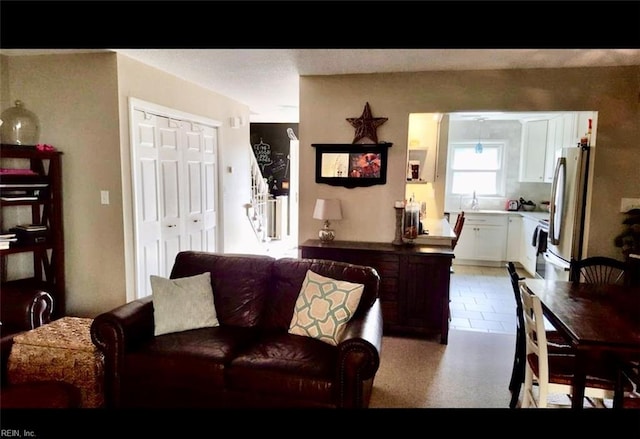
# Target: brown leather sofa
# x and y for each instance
(250, 359)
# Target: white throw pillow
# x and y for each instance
(324, 307)
(183, 303)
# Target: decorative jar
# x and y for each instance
(19, 126)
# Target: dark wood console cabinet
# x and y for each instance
(415, 279)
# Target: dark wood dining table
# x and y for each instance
(594, 317)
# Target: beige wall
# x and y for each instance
(82, 103)
(75, 97)
(143, 82)
(326, 101)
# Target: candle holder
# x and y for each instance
(398, 238)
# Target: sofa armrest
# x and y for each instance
(359, 356)
(117, 332)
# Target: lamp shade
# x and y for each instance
(327, 209)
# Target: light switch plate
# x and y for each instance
(104, 197)
(627, 204)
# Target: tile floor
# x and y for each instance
(482, 299)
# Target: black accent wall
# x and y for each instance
(270, 144)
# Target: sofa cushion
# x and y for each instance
(324, 307)
(183, 304)
(188, 362)
(287, 366)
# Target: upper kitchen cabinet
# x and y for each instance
(422, 147)
(533, 152)
(554, 147)
(543, 140)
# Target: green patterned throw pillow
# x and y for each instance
(183, 303)
(324, 307)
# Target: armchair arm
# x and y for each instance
(359, 357)
(24, 309)
(21, 309)
(117, 332)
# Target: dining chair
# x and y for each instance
(457, 229)
(628, 371)
(598, 270)
(554, 372)
(555, 341)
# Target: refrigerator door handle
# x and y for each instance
(555, 210)
(557, 262)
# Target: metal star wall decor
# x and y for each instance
(366, 125)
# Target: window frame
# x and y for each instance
(501, 172)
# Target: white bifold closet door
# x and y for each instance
(175, 184)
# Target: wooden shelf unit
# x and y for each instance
(48, 257)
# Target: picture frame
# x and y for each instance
(351, 165)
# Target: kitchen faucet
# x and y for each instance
(474, 203)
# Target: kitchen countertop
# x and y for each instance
(440, 233)
(537, 215)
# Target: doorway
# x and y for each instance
(276, 150)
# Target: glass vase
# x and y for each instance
(19, 126)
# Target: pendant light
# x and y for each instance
(479, 147)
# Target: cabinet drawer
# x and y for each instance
(485, 220)
(387, 268)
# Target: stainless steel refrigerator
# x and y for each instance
(567, 214)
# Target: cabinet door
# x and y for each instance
(426, 299)
(534, 145)
(554, 127)
(569, 130)
(484, 238)
(465, 248)
(528, 260)
(514, 238)
(490, 243)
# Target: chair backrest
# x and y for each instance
(535, 332)
(597, 270)
(599, 383)
(515, 284)
(457, 229)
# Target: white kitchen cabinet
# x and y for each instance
(569, 130)
(533, 151)
(543, 140)
(528, 251)
(554, 147)
(483, 238)
(514, 238)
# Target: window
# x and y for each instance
(480, 172)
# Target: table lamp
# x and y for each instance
(327, 210)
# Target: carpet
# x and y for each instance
(472, 371)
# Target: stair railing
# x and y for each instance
(259, 197)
